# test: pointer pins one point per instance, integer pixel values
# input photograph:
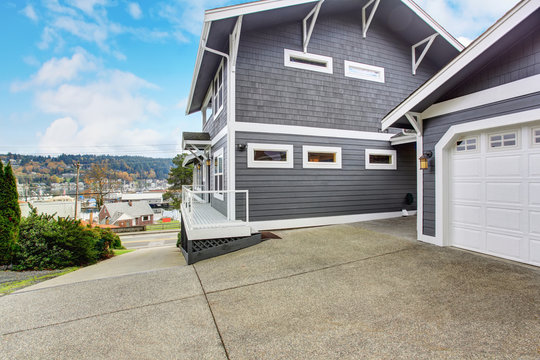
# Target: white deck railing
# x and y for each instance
(198, 210)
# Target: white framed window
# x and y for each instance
(536, 136)
(218, 173)
(503, 140)
(364, 71)
(321, 157)
(381, 159)
(207, 107)
(270, 156)
(217, 91)
(307, 61)
(467, 145)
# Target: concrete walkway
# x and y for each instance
(339, 292)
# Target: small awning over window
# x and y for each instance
(191, 158)
(199, 140)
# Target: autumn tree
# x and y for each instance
(178, 176)
(100, 180)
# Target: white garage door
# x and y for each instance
(494, 198)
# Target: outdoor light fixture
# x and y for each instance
(424, 160)
(198, 166)
(241, 147)
(207, 162)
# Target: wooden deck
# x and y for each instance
(208, 223)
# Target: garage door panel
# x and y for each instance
(534, 194)
(534, 222)
(504, 219)
(534, 164)
(468, 238)
(534, 251)
(466, 167)
(466, 191)
(504, 166)
(503, 244)
(503, 192)
(467, 215)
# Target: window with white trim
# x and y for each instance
(503, 140)
(218, 173)
(307, 61)
(321, 157)
(364, 71)
(381, 159)
(536, 136)
(217, 91)
(467, 145)
(207, 108)
(270, 156)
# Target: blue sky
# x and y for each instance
(113, 76)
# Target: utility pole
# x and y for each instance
(78, 164)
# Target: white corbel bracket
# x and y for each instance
(416, 63)
(415, 120)
(306, 33)
(234, 41)
(366, 23)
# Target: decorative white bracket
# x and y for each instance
(365, 24)
(416, 122)
(307, 32)
(234, 41)
(416, 63)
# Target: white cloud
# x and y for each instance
(47, 37)
(135, 10)
(87, 6)
(464, 40)
(30, 13)
(31, 60)
(88, 31)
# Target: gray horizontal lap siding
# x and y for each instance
(435, 128)
(269, 92)
(216, 124)
(217, 204)
(302, 193)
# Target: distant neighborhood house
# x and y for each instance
(126, 214)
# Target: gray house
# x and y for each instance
(292, 94)
(478, 131)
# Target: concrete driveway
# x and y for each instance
(338, 292)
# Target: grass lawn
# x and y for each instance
(164, 226)
(9, 287)
(122, 251)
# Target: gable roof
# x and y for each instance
(219, 23)
(137, 209)
(477, 54)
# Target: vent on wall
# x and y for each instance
(307, 61)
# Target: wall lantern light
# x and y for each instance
(207, 162)
(198, 166)
(241, 147)
(424, 160)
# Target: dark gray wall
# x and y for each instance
(517, 62)
(269, 92)
(300, 193)
(219, 205)
(214, 126)
(436, 127)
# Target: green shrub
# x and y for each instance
(112, 239)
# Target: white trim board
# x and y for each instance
(223, 132)
(306, 164)
(510, 90)
(322, 221)
(250, 8)
(512, 18)
(442, 158)
(310, 131)
(252, 163)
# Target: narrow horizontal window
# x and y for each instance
(469, 144)
(307, 61)
(381, 159)
(364, 71)
(269, 156)
(323, 157)
(503, 140)
(536, 136)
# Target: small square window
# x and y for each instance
(270, 156)
(322, 157)
(381, 159)
(503, 140)
(469, 144)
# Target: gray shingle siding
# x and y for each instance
(269, 92)
(436, 127)
(214, 126)
(302, 193)
(217, 204)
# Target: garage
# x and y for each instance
(494, 192)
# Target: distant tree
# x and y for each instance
(10, 214)
(99, 177)
(178, 176)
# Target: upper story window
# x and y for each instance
(217, 91)
(322, 157)
(207, 108)
(381, 159)
(536, 136)
(364, 71)
(503, 140)
(306, 61)
(270, 156)
(466, 145)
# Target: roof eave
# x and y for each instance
(494, 33)
(250, 8)
(198, 62)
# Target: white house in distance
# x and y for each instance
(59, 206)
